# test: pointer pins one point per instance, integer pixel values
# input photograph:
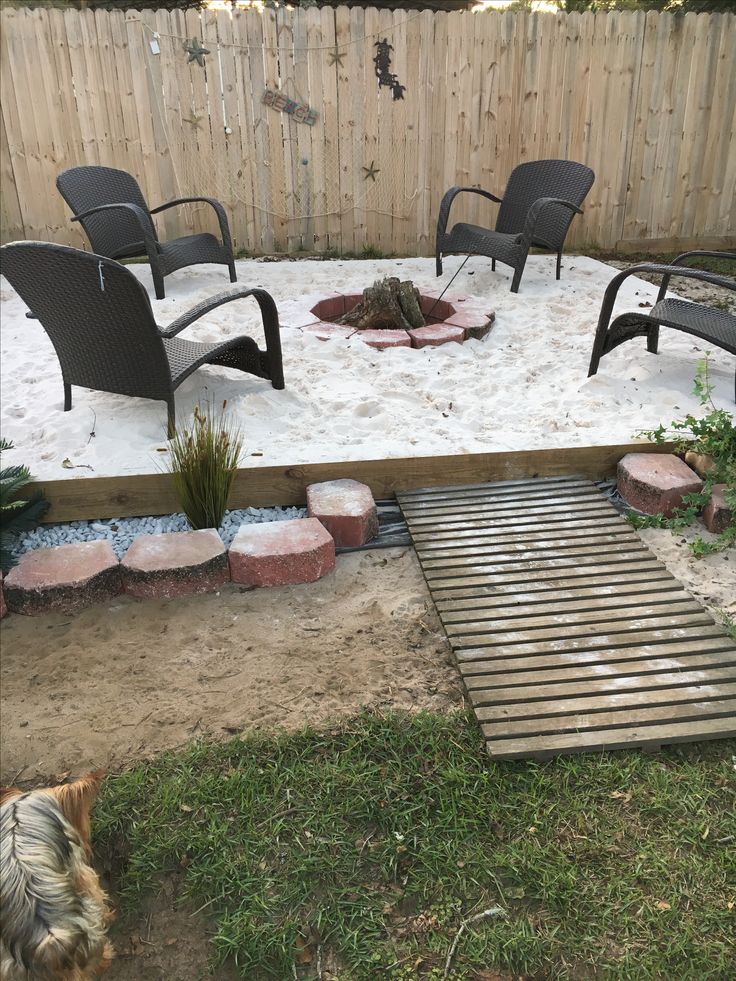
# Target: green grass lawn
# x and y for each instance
(369, 843)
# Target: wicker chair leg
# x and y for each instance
(233, 274)
(653, 340)
(493, 265)
(559, 264)
(158, 283)
(67, 397)
(438, 264)
(171, 417)
(518, 271)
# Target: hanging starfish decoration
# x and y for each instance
(371, 171)
(336, 57)
(196, 52)
(194, 119)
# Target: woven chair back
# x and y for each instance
(112, 233)
(97, 315)
(544, 179)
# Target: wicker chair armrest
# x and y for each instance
(450, 196)
(265, 302)
(143, 220)
(213, 203)
(609, 297)
(535, 211)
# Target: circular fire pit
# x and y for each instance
(453, 319)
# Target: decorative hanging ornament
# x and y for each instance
(371, 171)
(382, 61)
(336, 57)
(196, 52)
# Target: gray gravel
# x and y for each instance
(120, 532)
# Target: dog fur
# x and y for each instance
(53, 910)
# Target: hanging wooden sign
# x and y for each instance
(302, 114)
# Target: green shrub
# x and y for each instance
(204, 458)
(16, 516)
(713, 435)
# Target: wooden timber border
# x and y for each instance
(90, 498)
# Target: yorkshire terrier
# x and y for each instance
(53, 910)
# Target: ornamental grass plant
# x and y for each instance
(204, 456)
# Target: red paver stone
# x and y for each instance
(352, 300)
(331, 306)
(281, 553)
(435, 334)
(384, 338)
(716, 513)
(175, 564)
(64, 579)
(3, 604)
(656, 483)
(472, 319)
(432, 306)
(346, 508)
(327, 332)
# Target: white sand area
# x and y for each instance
(524, 386)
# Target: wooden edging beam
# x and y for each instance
(89, 498)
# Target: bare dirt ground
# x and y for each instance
(124, 681)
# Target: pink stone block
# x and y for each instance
(65, 578)
(656, 483)
(327, 332)
(471, 319)
(352, 300)
(3, 604)
(716, 513)
(436, 334)
(175, 564)
(330, 307)
(281, 553)
(435, 308)
(346, 508)
(384, 338)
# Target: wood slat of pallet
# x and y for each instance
(520, 497)
(575, 564)
(642, 634)
(683, 604)
(715, 708)
(488, 486)
(512, 551)
(650, 575)
(544, 524)
(508, 670)
(630, 700)
(600, 686)
(609, 739)
(504, 505)
(511, 608)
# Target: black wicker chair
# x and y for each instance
(111, 208)
(541, 199)
(100, 321)
(709, 323)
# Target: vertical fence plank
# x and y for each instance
(647, 100)
(11, 220)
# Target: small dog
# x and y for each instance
(53, 910)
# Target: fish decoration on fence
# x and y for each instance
(385, 76)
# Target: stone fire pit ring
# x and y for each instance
(453, 319)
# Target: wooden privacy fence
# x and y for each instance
(648, 100)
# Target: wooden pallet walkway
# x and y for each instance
(569, 634)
